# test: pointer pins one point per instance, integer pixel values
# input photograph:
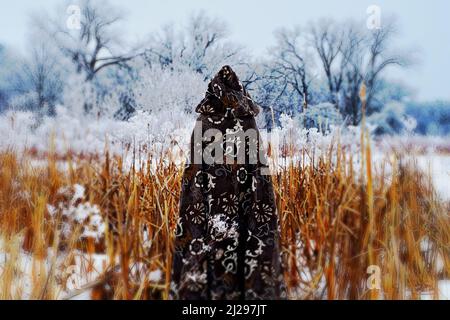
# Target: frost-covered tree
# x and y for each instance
(202, 45)
(381, 56)
(4, 94)
(10, 62)
(350, 55)
(326, 37)
(97, 44)
(284, 82)
(38, 81)
(95, 49)
(327, 61)
(291, 65)
(163, 89)
(370, 53)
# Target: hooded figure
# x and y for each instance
(226, 241)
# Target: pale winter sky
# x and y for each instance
(425, 26)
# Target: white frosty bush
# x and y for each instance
(169, 91)
(85, 133)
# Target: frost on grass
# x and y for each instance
(77, 213)
(65, 272)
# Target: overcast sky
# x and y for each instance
(425, 25)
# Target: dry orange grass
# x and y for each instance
(336, 222)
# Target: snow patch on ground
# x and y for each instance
(444, 289)
(438, 166)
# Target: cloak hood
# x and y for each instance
(227, 94)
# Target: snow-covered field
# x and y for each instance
(21, 131)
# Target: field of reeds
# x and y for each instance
(96, 226)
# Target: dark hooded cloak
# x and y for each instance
(226, 241)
